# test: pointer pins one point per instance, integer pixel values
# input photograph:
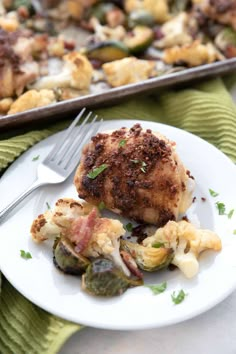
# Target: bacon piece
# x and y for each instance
(130, 262)
(82, 230)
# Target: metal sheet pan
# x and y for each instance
(64, 109)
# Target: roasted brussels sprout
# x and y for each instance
(104, 278)
(25, 3)
(139, 40)
(148, 258)
(99, 11)
(177, 6)
(107, 51)
(66, 259)
(226, 41)
(141, 17)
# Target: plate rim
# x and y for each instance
(137, 326)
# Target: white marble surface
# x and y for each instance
(213, 332)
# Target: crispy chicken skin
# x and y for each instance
(144, 179)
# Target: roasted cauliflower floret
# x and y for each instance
(9, 22)
(43, 227)
(192, 55)
(17, 67)
(128, 71)
(103, 33)
(81, 224)
(187, 243)
(175, 32)
(159, 9)
(76, 73)
(5, 104)
(132, 5)
(105, 241)
(52, 222)
(32, 99)
(75, 9)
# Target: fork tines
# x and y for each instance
(66, 152)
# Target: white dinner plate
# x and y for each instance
(39, 281)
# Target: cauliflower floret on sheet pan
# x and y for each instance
(193, 54)
(32, 99)
(76, 73)
(128, 70)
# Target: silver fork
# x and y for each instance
(62, 160)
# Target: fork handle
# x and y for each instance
(3, 213)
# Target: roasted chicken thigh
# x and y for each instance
(136, 173)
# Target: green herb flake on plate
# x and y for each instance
(35, 158)
(177, 299)
(157, 288)
(25, 255)
(221, 208)
(213, 193)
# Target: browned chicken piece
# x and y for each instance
(17, 69)
(223, 11)
(135, 173)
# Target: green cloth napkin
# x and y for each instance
(205, 109)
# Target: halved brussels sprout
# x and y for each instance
(139, 40)
(226, 38)
(66, 259)
(99, 11)
(104, 278)
(148, 258)
(177, 6)
(107, 51)
(25, 3)
(141, 17)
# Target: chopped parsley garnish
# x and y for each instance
(230, 214)
(35, 158)
(129, 227)
(213, 193)
(143, 167)
(221, 208)
(143, 164)
(48, 205)
(97, 170)
(101, 206)
(122, 143)
(234, 232)
(177, 299)
(157, 288)
(158, 245)
(25, 255)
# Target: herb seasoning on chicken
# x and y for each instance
(144, 180)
